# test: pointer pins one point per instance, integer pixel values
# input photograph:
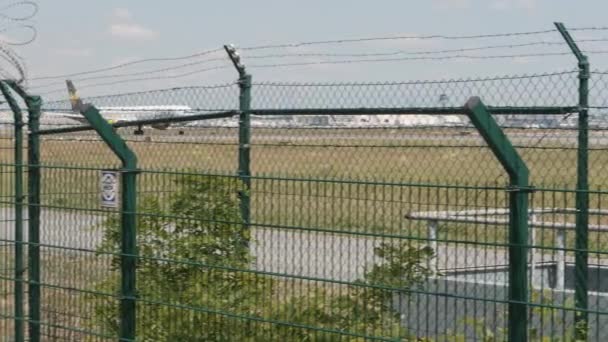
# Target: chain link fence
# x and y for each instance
(329, 212)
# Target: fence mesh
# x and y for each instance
(362, 227)
(7, 221)
(550, 89)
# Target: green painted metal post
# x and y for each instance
(128, 248)
(19, 319)
(244, 167)
(582, 207)
(33, 104)
(244, 170)
(129, 253)
(581, 261)
(518, 214)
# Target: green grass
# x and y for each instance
(64, 304)
(370, 178)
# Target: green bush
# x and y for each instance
(367, 308)
(192, 284)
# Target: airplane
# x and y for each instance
(116, 115)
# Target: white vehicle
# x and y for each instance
(116, 115)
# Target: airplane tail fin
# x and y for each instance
(74, 98)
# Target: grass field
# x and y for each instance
(64, 306)
(345, 179)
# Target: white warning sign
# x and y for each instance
(109, 189)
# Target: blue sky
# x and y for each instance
(76, 35)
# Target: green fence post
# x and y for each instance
(244, 167)
(518, 214)
(582, 191)
(245, 147)
(18, 262)
(128, 248)
(33, 104)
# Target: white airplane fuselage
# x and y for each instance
(137, 113)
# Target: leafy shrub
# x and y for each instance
(192, 284)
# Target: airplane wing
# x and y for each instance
(75, 117)
(80, 118)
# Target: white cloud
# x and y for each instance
(132, 31)
(124, 27)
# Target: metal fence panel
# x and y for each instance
(362, 225)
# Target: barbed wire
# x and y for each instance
(14, 4)
(13, 59)
(146, 72)
(156, 91)
(413, 82)
(309, 84)
(32, 37)
(9, 23)
(589, 28)
(340, 41)
(415, 37)
(439, 58)
(430, 55)
(414, 53)
(385, 38)
(346, 61)
(122, 65)
(145, 78)
(185, 65)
